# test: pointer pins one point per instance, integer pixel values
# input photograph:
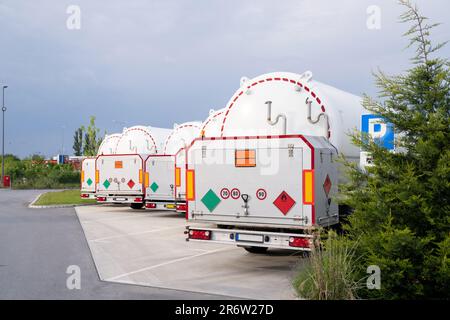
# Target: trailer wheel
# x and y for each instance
(256, 250)
(137, 206)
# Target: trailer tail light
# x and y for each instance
(181, 207)
(190, 185)
(146, 181)
(138, 199)
(150, 205)
(85, 195)
(299, 242)
(97, 176)
(82, 176)
(200, 234)
(177, 176)
(101, 199)
(308, 186)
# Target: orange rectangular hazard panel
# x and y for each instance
(118, 165)
(245, 158)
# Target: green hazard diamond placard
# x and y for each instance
(89, 181)
(106, 184)
(210, 200)
(154, 186)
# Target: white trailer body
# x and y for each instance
(121, 177)
(261, 183)
(160, 191)
(88, 184)
(172, 166)
(262, 119)
(88, 178)
(294, 96)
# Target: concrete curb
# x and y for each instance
(32, 206)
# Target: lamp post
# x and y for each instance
(3, 135)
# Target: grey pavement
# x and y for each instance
(37, 246)
(149, 248)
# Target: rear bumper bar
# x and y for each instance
(136, 198)
(251, 238)
(87, 195)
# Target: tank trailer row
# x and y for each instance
(260, 173)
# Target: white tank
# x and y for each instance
(290, 97)
(212, 125)
(182, 135)
(141, 139)
(108, 145)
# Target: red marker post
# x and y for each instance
(7, 182)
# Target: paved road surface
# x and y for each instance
(149, 248)
(37, 246)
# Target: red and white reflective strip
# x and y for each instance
(200, 234)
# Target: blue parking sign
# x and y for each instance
(382, 132)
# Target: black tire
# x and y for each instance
(256, 250)
(137, 206)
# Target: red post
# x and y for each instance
(6, 181)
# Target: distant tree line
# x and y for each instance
(86, 141)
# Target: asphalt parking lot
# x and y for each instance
(149, 249)
(38, 245)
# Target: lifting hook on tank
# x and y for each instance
(280, 116)
(245, 198)
(322, 114)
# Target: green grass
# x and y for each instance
(62, 197)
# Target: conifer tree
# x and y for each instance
(401, 204)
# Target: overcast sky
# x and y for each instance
(159, 62)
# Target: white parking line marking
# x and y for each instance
(166, 263)
(114, 218)
(135, 233)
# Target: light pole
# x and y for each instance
(3, 135)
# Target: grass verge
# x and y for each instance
(62, 198)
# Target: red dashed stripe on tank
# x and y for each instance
(176, 129)
(312, 93)
(209, 120)
(138, 129)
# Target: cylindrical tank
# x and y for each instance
(108, 145)
(211, 126)
(288, 103)
(141, 139)
(181, 136)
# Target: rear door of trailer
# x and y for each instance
(160, 172)
(120, 174)
(88, 175)
(269, 171)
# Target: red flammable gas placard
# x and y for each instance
(284, 202)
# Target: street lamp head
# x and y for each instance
(4, 87)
